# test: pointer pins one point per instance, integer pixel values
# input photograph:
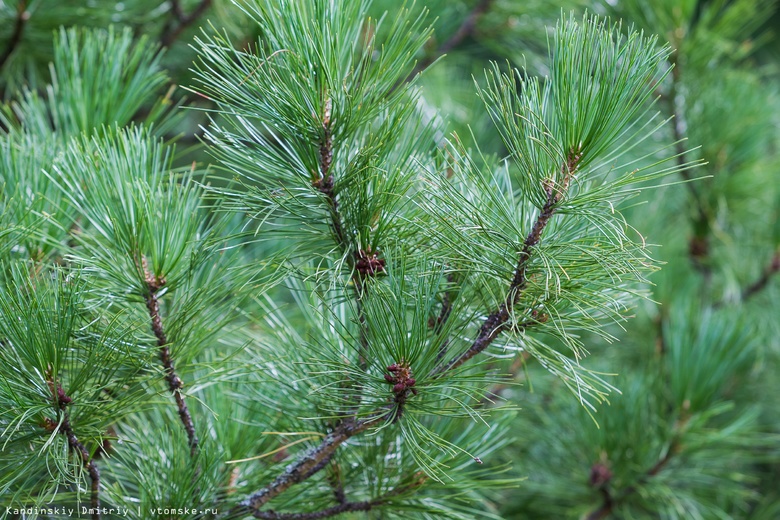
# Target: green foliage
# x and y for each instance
(84, 92)
(52, 344)
(373, 286)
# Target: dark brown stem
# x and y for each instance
(22, 15)
(465, 30)
(763, 280)
(698, 246)
(325, 183)
(441, 320)
(313, 459)
(89, 464)
(174, 382)
(61, 402)
(498, 321)
(609, 500)
(606, 507)
(334, 479)
(182, 20)
(344, 507)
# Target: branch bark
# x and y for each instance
(345, 507)
(309, 463)
(61, 402)
(175, 384)
(94, 474)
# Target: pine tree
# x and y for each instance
(346, 274)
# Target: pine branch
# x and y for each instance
(94, 474)
(600, 477)
(344, 507)
(363, 263)
(62, 401)
(497, 322)
(465, 30)
(337, 484)
(606, 507)
(441, 320)
(182, 20)
(22, 15)
(154, 283)
(764, 279)
(310, 462)
(698, 246)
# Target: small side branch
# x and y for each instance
(89, 464)
(363, 263)
(61, 403)
(601, 476)
(154, 283)
(337, 484)
(22, 15)
(440, 321)
(345, 507)
(324, 181)
(763, 280)
(606, 506)
(699, 243)
(181, 20)
(498, 321)
(466, 29)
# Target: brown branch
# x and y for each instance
(465, 30)
(498, 321)
(309, 462)
(441, 320)
(698, 245)
(606, 507)
(337, 484)
(363, 263)
(182, 21)
(345, 507)
(154, 283)
(609, 500)
(61, 402)
(89, 464)
(22, 15)
(763, 280)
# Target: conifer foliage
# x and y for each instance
(318, 309)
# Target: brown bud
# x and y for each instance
(599, 475)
